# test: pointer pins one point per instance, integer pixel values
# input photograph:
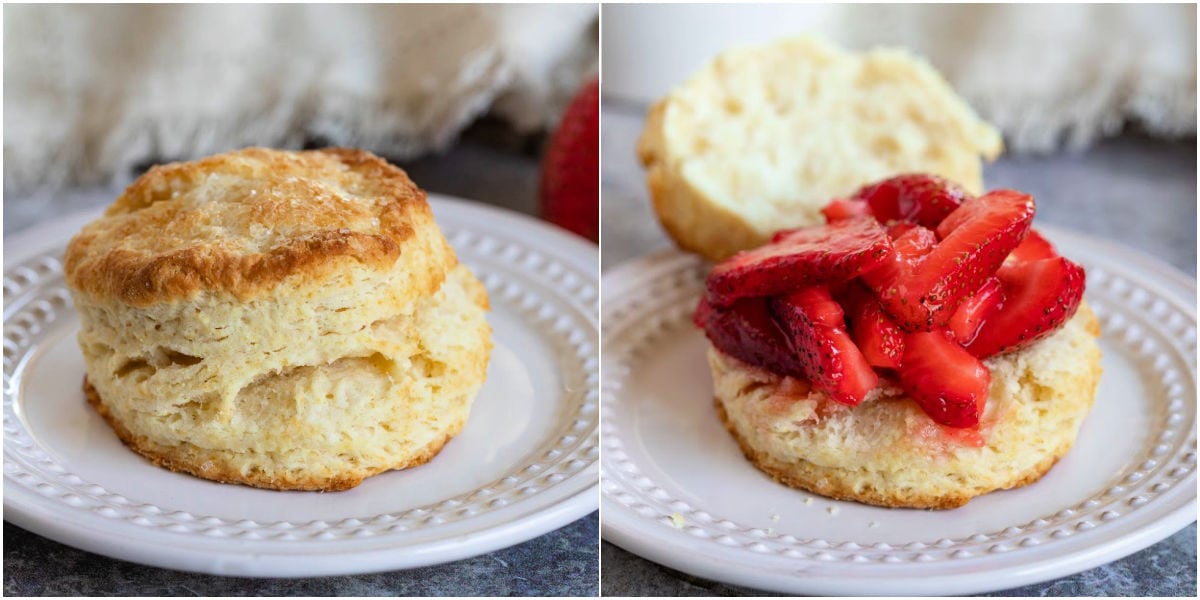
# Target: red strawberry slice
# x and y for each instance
(899, 228)
(974, 211)
(918, 198)
(912, 240)
(949, 384)
(1035, 247)
(703, 314)
(976, 238)
(878, 338)
(748, 333)
(840, 209)
(801, 257)
(1040, 296)
(974, 311)
(815, 324)
(910, 243)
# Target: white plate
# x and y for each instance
(677, 490)
(525, 463)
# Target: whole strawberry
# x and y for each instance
(570, 185)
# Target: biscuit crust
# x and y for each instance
(215, 465)
(835, 483)
(886, 452)
(243, 222)
(284, 320)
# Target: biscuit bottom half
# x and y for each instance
(403, 389)
(887, 452)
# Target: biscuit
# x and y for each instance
(887, 452)
(286, 320)
(762, 137)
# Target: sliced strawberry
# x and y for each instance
(976, 239)
(973, 211)
(748, 333)
(840, 209)
(974, 311)
(1039, 295)
(918, 198)
(949, 384)
(815, 325)
(801, 257)
(899, 228)
(910, 244)
(915, 240)
(878, 338)
(1035, 247)
(703, 313)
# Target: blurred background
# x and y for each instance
(463, 96)
(467, 98)
(1097, 104)
(1049, 77)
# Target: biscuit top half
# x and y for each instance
(244, 222)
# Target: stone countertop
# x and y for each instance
(504, 172)
(560, 563)
(1134, 190)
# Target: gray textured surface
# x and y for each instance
(561, 563)
(1132, 190)
(489, 166)
(1165, 569)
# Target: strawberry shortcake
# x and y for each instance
(922, 347)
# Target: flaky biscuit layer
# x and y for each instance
(396, 392)
(887, 452)
(289, 320)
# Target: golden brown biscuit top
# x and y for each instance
(244, 221)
